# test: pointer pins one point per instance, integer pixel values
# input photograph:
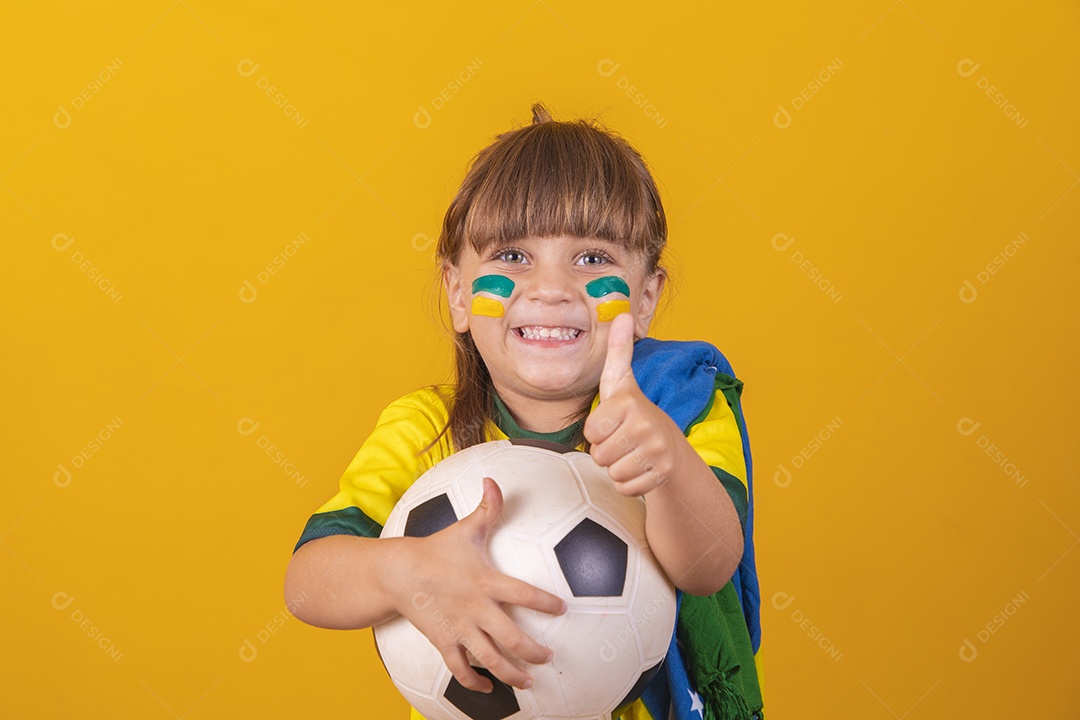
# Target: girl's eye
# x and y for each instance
(594, 258)
(511, 256)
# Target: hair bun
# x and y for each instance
(540, 114)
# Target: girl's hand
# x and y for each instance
(633, 438)
(447, 587)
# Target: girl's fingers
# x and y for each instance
(513, 591)
(458, 664)
(490, 657)
(635, 473)
(516, 642)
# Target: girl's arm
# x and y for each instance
(443, 583)
(691, 524)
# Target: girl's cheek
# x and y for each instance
(614, 296)
(488, 294)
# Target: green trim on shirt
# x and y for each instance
(348, 521)
(735, 490)
(732, 390)
(505, 422)
(703, 414)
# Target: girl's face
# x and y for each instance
(539, 310)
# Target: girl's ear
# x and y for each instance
(648, 299)
(457, 298)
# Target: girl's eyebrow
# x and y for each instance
(492, 244)
(493, 247)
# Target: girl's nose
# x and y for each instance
(551, 285)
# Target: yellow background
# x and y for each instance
(896, 538)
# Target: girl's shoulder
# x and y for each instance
(679, 375)
(431, 401)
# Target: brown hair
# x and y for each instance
(545, 179)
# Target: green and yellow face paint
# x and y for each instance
(606, 287)
(486, 286)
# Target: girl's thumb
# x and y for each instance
(489, 510)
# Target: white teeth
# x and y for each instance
(537, 332)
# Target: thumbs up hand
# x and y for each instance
(634, 439)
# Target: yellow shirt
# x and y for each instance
(392, 458)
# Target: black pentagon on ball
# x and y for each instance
(430, 516)
(639, 688)
(593, 560)
(495, 705)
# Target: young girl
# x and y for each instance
(550, 258)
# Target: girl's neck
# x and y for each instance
(541, 415)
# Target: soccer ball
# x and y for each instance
(566, 530)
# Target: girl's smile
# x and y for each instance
(548, 335)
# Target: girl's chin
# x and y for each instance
(554, 389)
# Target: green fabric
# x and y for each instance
(718, 655)
(505, 422)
